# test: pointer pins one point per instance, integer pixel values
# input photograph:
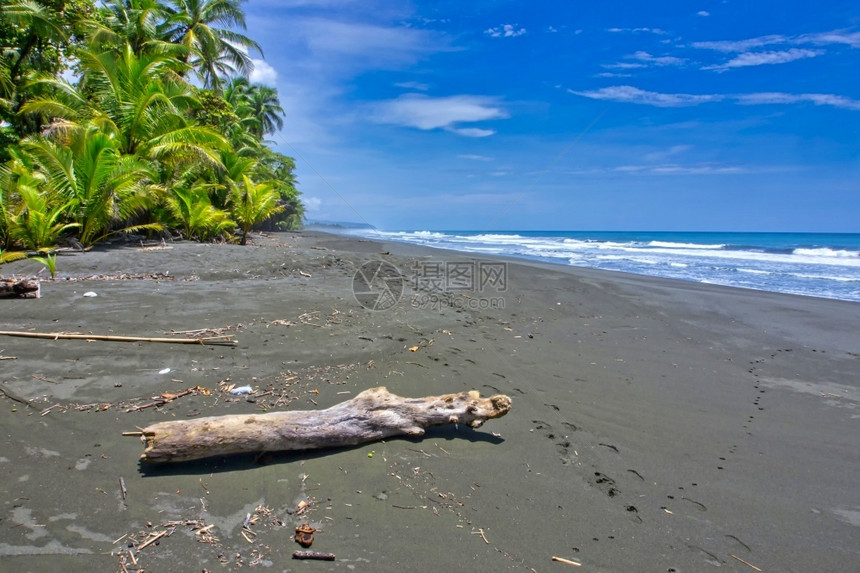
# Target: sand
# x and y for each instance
(656, 425)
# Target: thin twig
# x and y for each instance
(566, 561)
(155, 537)
(747, 563)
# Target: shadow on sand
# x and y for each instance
(241, 462)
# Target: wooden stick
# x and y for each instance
(566, 561)
(313, 555)
(747, 563)
(372, 415)
(225, 340)
(155, 537)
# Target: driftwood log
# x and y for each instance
(372, 415)
(22, 288)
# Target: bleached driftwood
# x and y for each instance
(372, 415)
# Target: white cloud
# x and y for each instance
(657, 31)
(675, 169)
(630, 94)
(703, 13)
(312, 203)
(505, 31)
(472, 131)
(835, 37)
(747, 59)
(425, 112)
(418, 86)
(820, 39)
(741, 45)
(474, 157)
(643, 60)
(264, 74)
(784, 98)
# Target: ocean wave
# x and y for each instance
(671, 245)
(826, 252)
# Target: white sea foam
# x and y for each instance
(670, 245)
(825, 252)
(772, 265)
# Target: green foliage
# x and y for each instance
(194, 213)
(253, 202)
(129, 144)
(49, 260)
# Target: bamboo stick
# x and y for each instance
(225, 340)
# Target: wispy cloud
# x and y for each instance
(821, 38)
(747, 59)
(703, 13)
(676, 169)
(426, 113)
(417, 86)
(473, 157)
(505, 31)
(835, 37)
(741, 45)
(630, 94)
(784, 98)
(657, 31)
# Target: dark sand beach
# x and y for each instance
(657, 425)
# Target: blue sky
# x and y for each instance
(666, 115)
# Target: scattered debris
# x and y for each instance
(305, 535)
(313, 555)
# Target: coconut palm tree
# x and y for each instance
(251, 203)
(139, 23)
(104, 189)
(139, 99)
(265, 109)
(192, 210)
(213, 49)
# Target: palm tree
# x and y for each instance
(103, 188)
(252, 203)
(214, 50)
(192, 210)
(140, 99)
(265, 109)
(136, 22)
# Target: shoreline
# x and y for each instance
(766, 264)
(656, 423)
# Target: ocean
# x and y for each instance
(809, 264)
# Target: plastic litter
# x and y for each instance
(241, 390)
(164, 371)
(90, 294)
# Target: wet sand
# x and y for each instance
(656, 425)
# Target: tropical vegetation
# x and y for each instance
(135, 116)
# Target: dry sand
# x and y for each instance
(656, 425)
